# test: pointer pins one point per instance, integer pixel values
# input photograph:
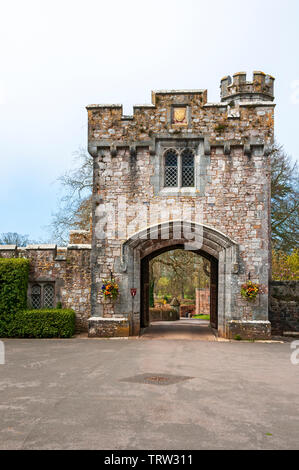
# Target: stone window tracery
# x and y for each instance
(48, 296)
(187, 168)
(171, 168)
(42, 295)
(36, 297)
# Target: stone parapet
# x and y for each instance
(217, 121)
(261, 87)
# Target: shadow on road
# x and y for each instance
(185, 329)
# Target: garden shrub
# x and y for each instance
(13, 290)
(45, 323)
(285, 266)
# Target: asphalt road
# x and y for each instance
(84, 394)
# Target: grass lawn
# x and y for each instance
(201, 317)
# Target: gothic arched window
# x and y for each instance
(171, 168)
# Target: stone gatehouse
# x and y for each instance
(179, 173)
(183, 172)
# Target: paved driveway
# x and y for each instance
(185, 329)
(74, 394)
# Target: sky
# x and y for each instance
(56, 57)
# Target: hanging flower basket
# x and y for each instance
(110, 290)
(249, 291)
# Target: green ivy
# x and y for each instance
(13, 291)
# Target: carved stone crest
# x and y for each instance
(180, 115)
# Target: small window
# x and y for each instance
(42, 295)
(179, 168)
(171, 168)
(187, 168)
(36, 297)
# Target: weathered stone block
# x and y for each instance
(99, 327)
(248, 329)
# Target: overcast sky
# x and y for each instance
(59, 56)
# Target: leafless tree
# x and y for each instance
(13, 238)
(75, 205)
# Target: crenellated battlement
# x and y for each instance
(160, 99)
(187, 113)
(239, 89)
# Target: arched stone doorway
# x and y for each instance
(220, 249)
(145, 281)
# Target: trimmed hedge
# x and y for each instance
(13, 290)
(45, 323)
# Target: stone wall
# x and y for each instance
(68, 269)
(284, 307)
(187, 310)
(203, 301)
(163, 314)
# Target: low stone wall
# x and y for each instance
(284, 307)
(100, 327)
(66, 268)
(248, 330)
(160, 314)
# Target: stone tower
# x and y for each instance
(183, 172)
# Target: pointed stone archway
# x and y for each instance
(211, 243)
